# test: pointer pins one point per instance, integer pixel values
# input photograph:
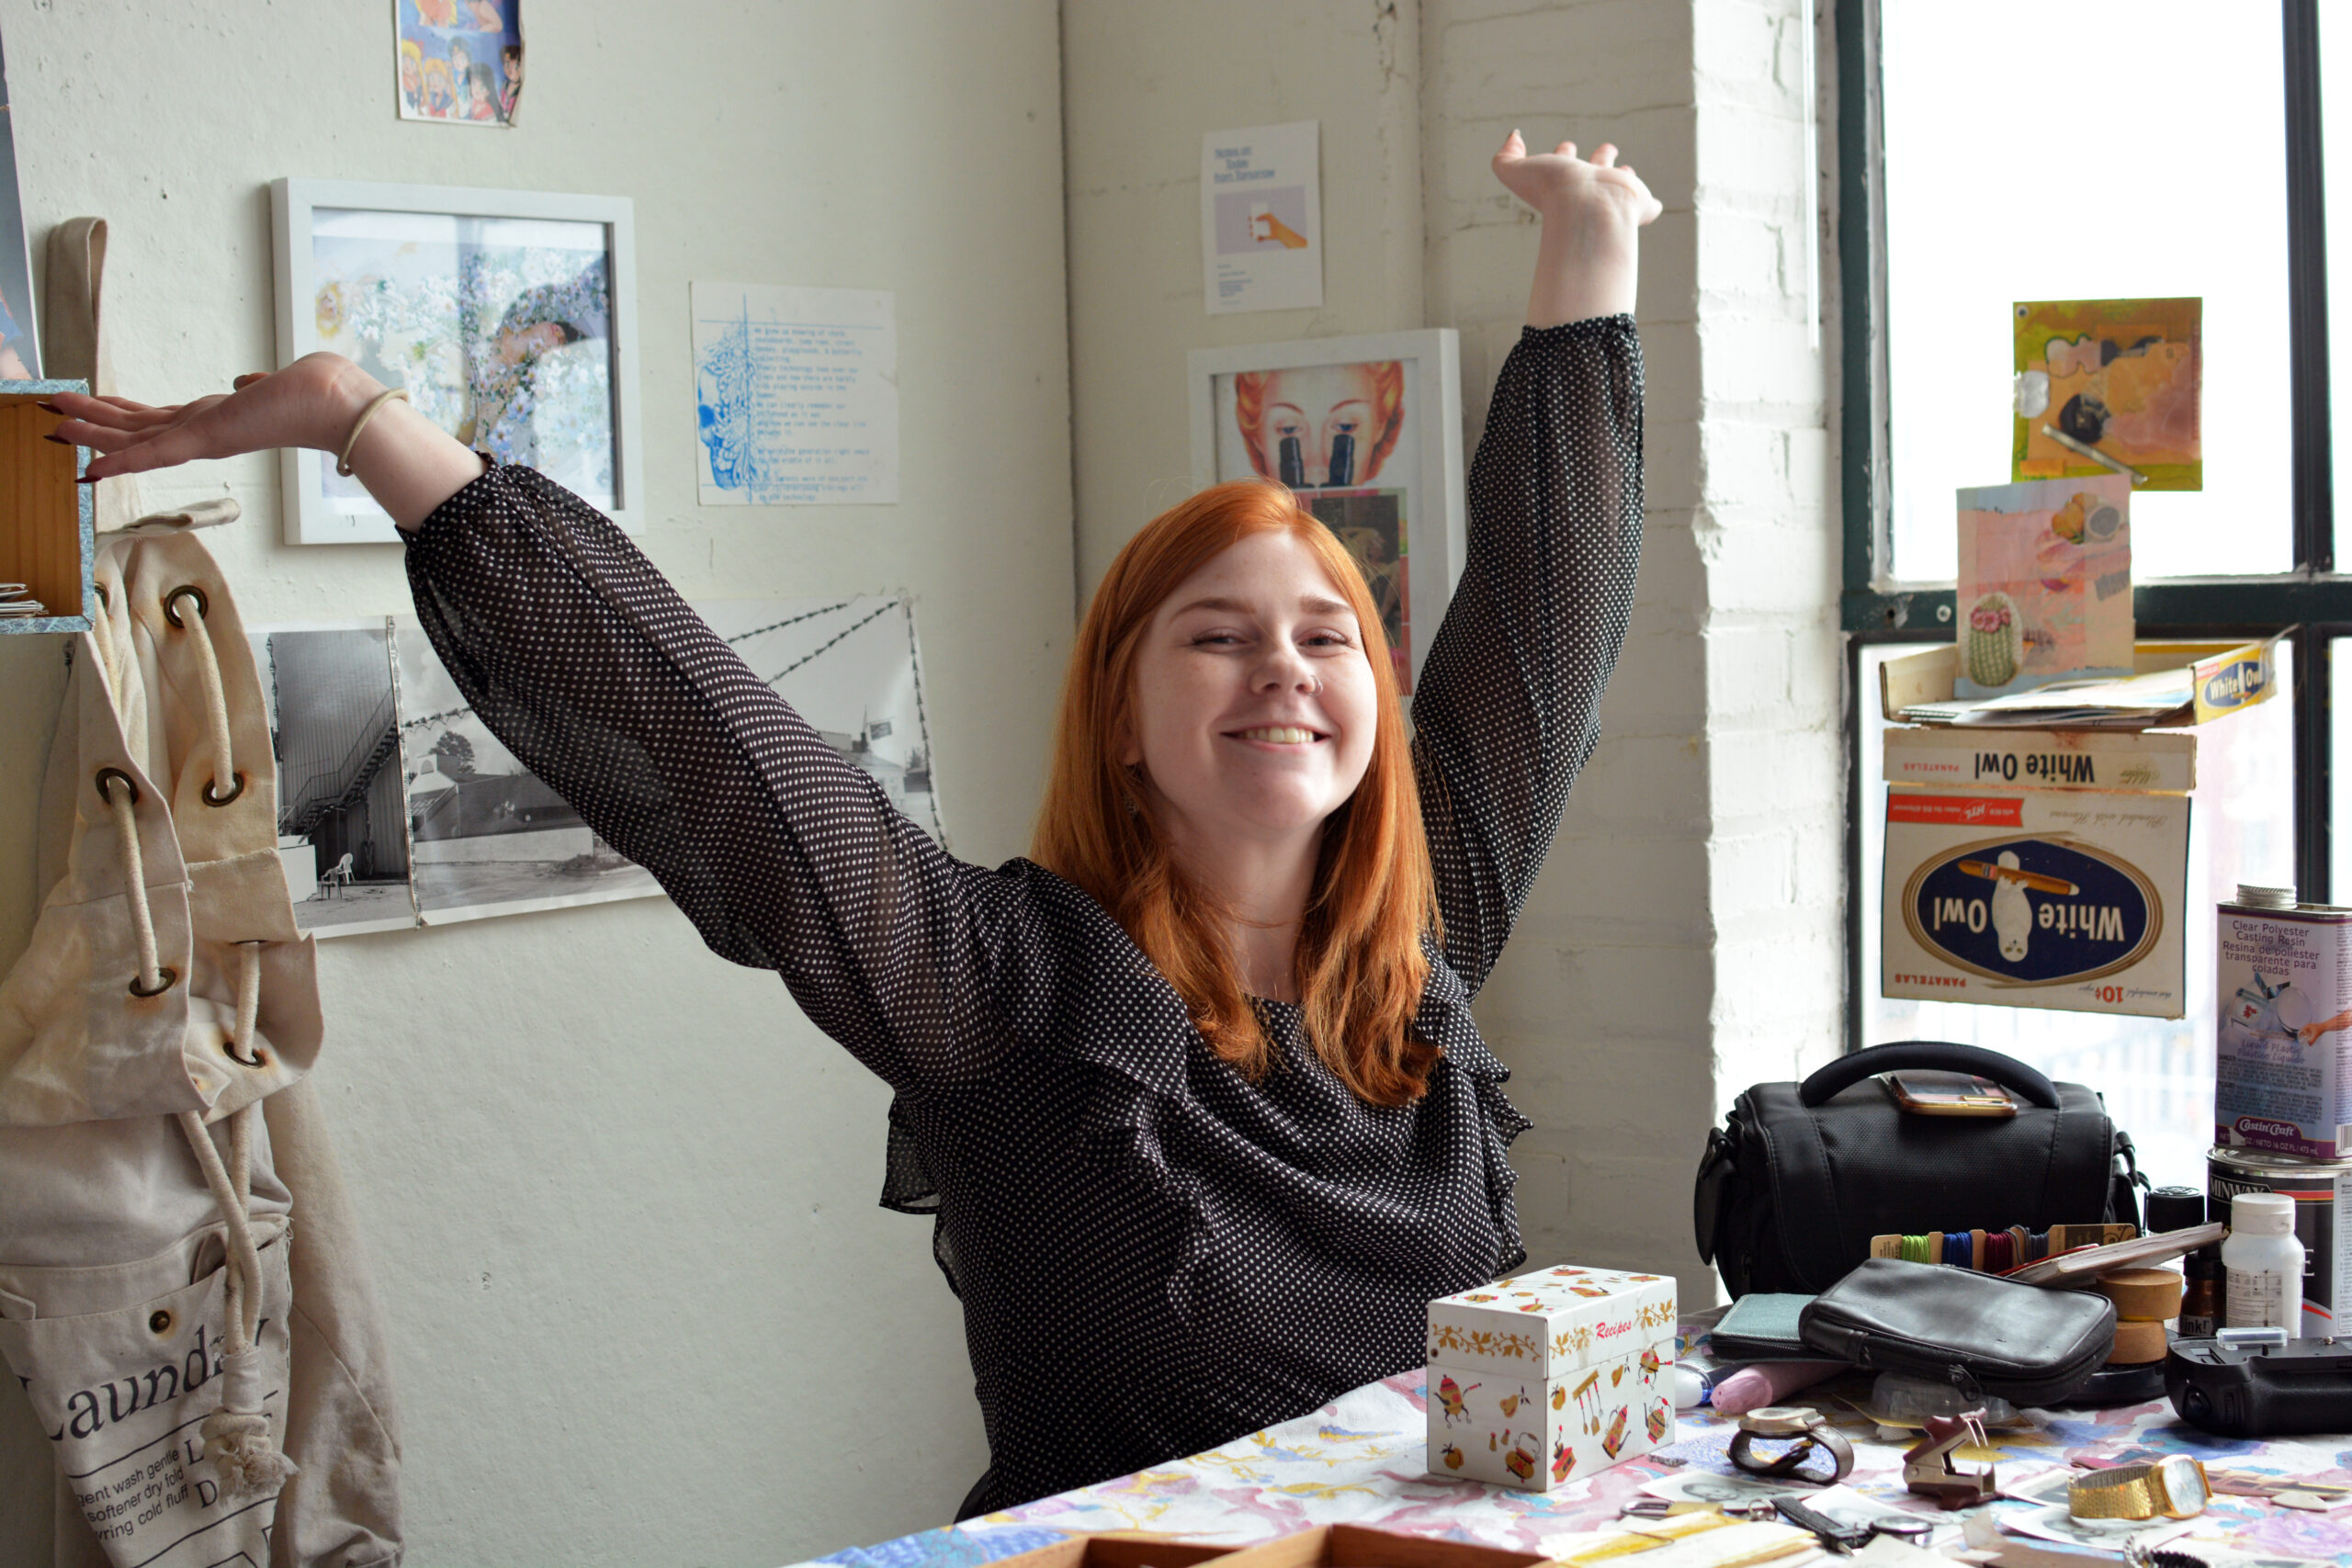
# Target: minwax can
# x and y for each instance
(2282, 1078)
(2321, 1190)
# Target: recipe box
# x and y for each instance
(1550, 1375)
(1354, 1546)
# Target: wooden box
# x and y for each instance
(1114, 1551)
(47, 541)
(1353, 1545)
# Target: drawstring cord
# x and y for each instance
(216, 701)
(236, 1436)
(154, 977)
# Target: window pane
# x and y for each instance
(2335, 159)
(2157, 1073)
(2056, 150)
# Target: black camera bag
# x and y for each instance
(1801, 1177)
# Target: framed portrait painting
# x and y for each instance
(509, 317)
(1367, 430)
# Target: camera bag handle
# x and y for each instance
(1929, 1054)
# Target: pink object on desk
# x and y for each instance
(1752, 1388)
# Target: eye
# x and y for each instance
(1217, 640)
(1327, 638)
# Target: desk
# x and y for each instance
(1360, 1459)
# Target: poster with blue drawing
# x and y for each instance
(796, 395)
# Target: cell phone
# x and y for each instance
(1948, 1094)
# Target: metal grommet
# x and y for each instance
(234, 789)
(172, 600)
(229, 1049)
(106, 600)
(128, 782)
(170, 975)
(160, 1321)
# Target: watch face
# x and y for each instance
(2185, 1485)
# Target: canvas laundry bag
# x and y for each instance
(184, 1297)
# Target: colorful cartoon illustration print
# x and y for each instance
(1564, 1460)
(458, 60)
(1519, 1460)
(1449, 1397)
(1655, 1420)
(1615, 1440)
(1452, 1455)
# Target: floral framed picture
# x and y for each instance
(509, 317)
(1368, 432)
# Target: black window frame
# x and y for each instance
(2308, 606)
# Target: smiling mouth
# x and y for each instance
(1277, 735)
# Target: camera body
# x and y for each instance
(2261, 1384)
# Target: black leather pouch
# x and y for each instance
(1979, 1333)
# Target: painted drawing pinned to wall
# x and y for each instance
(460, 61)
(505, 315)
(333, 724)
(19, 334)
(2045, 583)
(796, 395)
(1371, 444)
(2114, 380)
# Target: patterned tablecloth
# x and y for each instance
(1360, 1459)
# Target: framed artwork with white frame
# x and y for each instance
(1368, 432)
(509, 317)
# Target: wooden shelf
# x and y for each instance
(47, 540)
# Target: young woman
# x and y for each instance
(1196, 1095)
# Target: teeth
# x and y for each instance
(1280, 735)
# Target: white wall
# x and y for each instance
(621, 1194)
(1683, 940)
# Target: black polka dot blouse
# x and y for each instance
(1154, 1255)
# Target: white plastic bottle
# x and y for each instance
(2264, 1264)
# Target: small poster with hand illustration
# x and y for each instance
(2045, 584)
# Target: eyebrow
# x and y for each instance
(1312, 603)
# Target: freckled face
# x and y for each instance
(1254, 703)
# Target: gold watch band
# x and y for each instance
(2134, 1492)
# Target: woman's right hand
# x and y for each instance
(409, 464)
(312, 402)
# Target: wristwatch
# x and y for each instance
(2175, 1486)
(1796, 1423)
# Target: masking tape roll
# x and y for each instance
(2137, 1343)
(2142, 1294)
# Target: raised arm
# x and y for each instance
(588, 666)
(1508, 707)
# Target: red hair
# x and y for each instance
(1360, 966)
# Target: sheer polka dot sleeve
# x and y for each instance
(584, 661)
(1508, 704)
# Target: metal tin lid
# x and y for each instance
(2266, 898)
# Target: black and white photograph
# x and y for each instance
(850, 667)
(333, 719)
(487, 836)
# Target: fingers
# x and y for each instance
(1512, 150)
(1565, 150)
(247, 379)
(1605, 155)
(142, 453)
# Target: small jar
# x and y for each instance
(2264, 1264)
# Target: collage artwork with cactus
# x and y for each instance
(2045, 583)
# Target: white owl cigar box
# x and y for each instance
(1550, 1375)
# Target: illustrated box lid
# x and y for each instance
(1548, 1322)
(1123, 1550)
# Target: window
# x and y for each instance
(2016, 150)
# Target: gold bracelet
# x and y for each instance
(343, 459)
